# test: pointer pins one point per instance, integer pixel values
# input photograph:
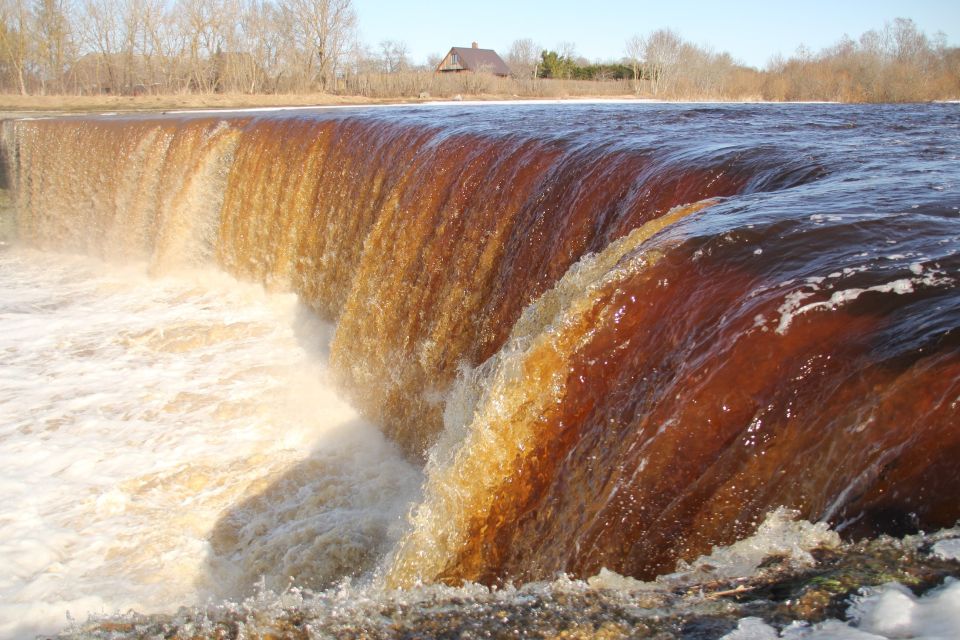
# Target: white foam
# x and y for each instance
(893, 611)
(781, 535)
(752, 628)
(139, 416)
(947, 549)
(792, 307)
(888, 611)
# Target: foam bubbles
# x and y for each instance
(888, 611)
(780, 535)
(140, 419)
(947, 549)
(893, 611)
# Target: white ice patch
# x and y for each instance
(889, 611)
(893, 611)
(947, 549)
(752, 629)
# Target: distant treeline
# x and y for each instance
(895, 64)
(129, 47)
(559, 66)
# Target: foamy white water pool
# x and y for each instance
(168, 440)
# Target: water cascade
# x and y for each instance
(612, 346)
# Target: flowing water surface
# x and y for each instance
(137, 412)
(467, 345)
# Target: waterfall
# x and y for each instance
(607, 355)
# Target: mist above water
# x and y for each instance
(164, 441)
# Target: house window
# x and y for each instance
(454, 60)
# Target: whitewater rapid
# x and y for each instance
(174, 442)
(168, 440)
(588, 396)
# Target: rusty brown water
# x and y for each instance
(618, 334)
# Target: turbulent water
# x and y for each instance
(562, 338)
(168, 440)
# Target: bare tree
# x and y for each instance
(523, 57)
(53, 39)
(98, 31)
(323, 31)
(131, 29)
(703, 73)
(394, 56)
(260, 38)
(208, 27)
(167, 43)
(567, 51)
(909, 43)
(153, 43)
(634, 50)
(301, 45)
(125, 46)
(14, 39)
(661, 54)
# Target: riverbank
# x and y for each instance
(14, 103)
(79, 104)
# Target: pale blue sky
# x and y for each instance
(751, 30)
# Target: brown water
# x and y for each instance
(618, 334)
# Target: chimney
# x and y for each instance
(474, 45)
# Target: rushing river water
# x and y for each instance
(137, 412)
(476, 345)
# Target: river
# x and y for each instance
(469, 345)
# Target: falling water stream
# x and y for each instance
(364, 363)
(137, 412)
